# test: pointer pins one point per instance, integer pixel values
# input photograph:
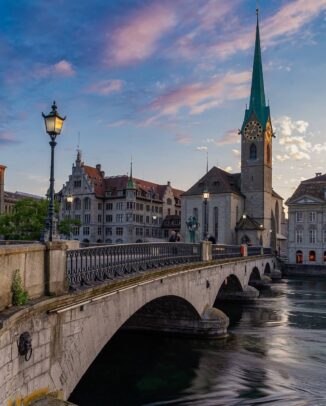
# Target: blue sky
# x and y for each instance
(163, 81)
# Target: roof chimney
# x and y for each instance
(318, 174)
(169, 183)
(98, 167)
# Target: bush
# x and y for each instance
(19, 295)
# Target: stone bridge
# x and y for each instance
(69, 330)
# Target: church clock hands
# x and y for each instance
(253, 130)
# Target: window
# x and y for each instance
(119, 231)
(119, 218)
(77, 217)
(108, 218)
(299, 216)
(312, 236)
(68, 206)
(99, 218)
(77, 183)
(312, 217)
(109, 206)
(166, 233)
(86, 230)
(169, 202)
(99, 231)
(75, 230)
(148, 207)
(87, 218)
(312, 256)
(77, 204)
(99, 206)
(147, 219)
(137, 206)
(253, 152)
(161, 210)
(119, 206)
(87, 203)
(298, 236)
(108, 230)
(299, 257)
(141, 207)
(324, 236)
(169, 212)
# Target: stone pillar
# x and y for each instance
(55, 268)
(206, 251)
(244, 250)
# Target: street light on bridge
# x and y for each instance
(53, 125)
(205, 197)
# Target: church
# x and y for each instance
(241, 207)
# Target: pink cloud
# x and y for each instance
(61, 68)
(105, 87)
(230, 137)
(200, 96)
(7, 138)
(183, 139)
(137, 38)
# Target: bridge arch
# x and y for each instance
(267, 269)
(254, 275)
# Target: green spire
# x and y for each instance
(257, 104)
(257, 96)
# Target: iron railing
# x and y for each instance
(252, 251)
(220, 251)
(97, 264)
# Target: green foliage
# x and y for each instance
(19, 295)
(66, 226)
(26, 222)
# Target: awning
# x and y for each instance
(280, 237)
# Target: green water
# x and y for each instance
(275, 355)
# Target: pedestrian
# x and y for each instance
(212, 239)
(173, 237)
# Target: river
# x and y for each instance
(275, 354)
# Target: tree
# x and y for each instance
(66, 226)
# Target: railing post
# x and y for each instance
(56, 282)
(261, 250)
(206, 251)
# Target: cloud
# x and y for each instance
(61, 68)
(118, 123)
(137, 38)
(105, 87)
(282, 158)
(230, 137)
(7, 138)
(201, 148)
(228, 169)
(236, 152)
(200, 96)
(183, 139)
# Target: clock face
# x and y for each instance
(253, 130)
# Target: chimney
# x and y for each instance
(98, 167)
(318, 174)
(102, 173)
(169, 183)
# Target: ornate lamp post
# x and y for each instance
(205, 197)
(53, 126)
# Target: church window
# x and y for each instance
(299, 236)
(87, 203)
(312, 236)
(299, 216)
(312, 256)
(77, 204)
(253, 152)
(299, 257)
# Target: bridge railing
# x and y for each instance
(254, 250)
(88, 265)
(220, 251)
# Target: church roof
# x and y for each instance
(257, 104)
(314, 187)
(276, 195)
(216, 181)
(247, 223)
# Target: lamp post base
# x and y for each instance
(46, 234)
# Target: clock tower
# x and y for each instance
(256, 149)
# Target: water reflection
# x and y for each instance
(275, 354)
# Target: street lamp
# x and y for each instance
(205, 197)
(53, 125)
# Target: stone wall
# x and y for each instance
(29, 260)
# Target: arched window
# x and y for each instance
(312, 256)
(253, 152)
(268, 153)
(77, 204)
(87, 203)
(299, 257)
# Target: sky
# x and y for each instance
(163, 81)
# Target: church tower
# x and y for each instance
(256, 148)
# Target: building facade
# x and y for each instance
(307, 223)
(242, 207)
(118, 209)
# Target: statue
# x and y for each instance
(192, 225)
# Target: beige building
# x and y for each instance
(307, 223)
(118, 209)
(242, 207)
